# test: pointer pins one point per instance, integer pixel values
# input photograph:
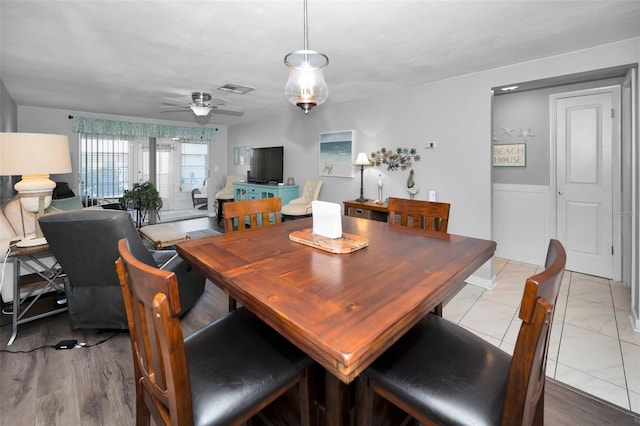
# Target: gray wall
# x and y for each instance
(8, 111)
(8, 123)
(524, 111)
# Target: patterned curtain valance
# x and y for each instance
(96, 126)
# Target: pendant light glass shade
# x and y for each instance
(306, 87)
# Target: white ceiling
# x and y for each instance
(122, 57)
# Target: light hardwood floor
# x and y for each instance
(83, 386)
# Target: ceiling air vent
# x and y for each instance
(235, 88)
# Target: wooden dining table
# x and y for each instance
(343, 310)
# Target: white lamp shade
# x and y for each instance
(34, 154)
(362, 160)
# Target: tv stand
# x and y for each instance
(263, 182)
(253, 191)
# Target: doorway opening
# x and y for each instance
(524, 198)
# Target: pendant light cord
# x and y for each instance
(306, 32)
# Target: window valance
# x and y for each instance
(96, 126)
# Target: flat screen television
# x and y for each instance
(266, 165)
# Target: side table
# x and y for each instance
(366, 210)
(52, 278)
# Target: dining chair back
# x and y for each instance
(249, 214)
(441, 373)
(151, 301)
(224, 373)
(429, 215)
(524, 395)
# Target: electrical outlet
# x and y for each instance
(429, 145)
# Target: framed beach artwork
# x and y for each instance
(336, 153)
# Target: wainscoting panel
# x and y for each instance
(522, 222)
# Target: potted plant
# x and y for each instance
(145, 198)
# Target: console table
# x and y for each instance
(254, 191)
(366, 210)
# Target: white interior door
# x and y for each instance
(584, 182)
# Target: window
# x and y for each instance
(193, 165)
(109, 165)
(104, 168)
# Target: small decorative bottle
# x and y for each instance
(412, 188)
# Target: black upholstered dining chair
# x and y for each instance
(223, 374)
(441, 373)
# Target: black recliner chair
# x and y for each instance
(85, 242)
(62, 190)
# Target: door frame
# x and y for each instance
(616, 206)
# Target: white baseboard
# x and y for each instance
(635, 322)
(488, 283)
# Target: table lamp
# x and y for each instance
(34, 156)
(362, 160)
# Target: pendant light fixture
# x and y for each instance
(306, 87)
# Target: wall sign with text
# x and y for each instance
(510, 155)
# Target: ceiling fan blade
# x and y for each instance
(216, 105)
(218, 102)
(180, 100)
(231, 112)
(175, 110)
(181, 105)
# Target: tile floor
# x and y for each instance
(592, 348)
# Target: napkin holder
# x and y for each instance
(327, 219)
(326, 233)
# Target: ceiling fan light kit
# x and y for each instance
(200, 111)
(306, 86)
(199, 106)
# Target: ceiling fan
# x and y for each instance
(203, 104)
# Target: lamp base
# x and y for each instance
(31, 242)
(361, 198)
(31, 188)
